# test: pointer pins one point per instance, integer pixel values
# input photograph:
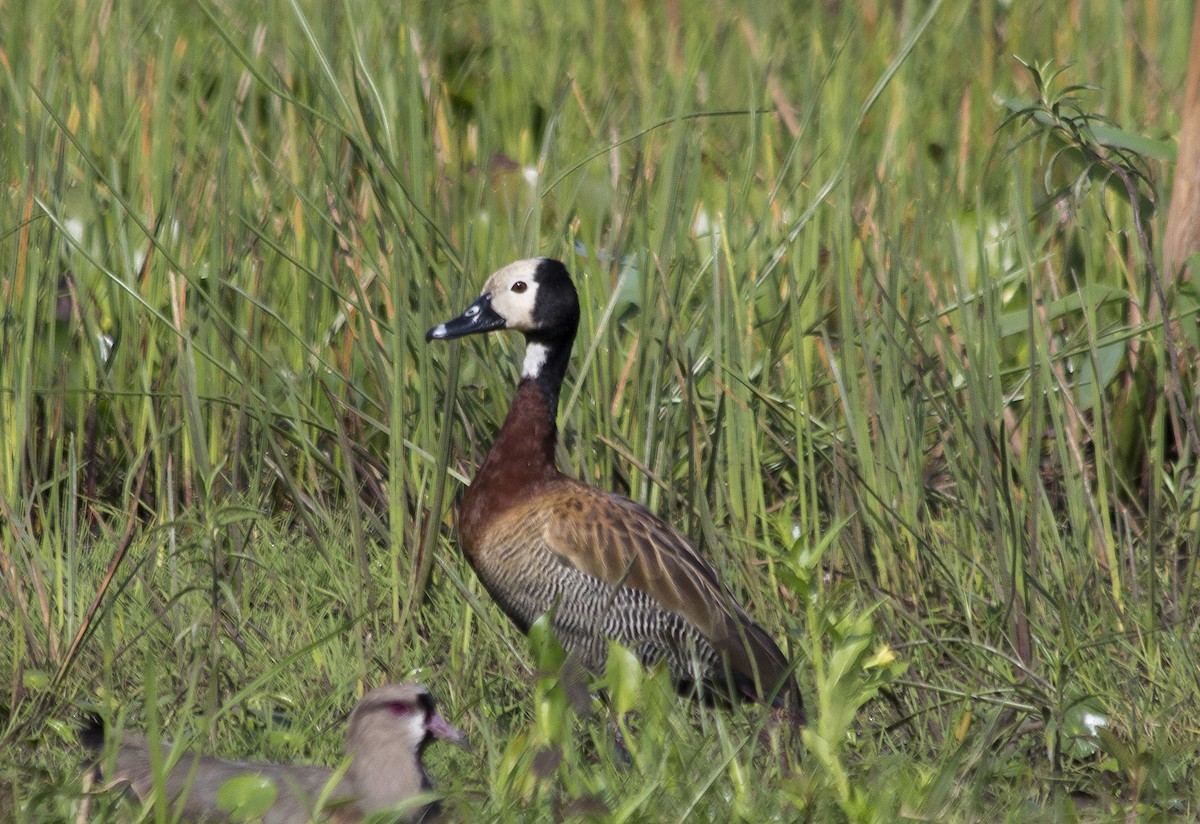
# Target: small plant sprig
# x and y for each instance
(850, 666)
(1060, 115)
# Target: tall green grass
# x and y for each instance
(887, 354)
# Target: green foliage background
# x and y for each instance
(866, 312)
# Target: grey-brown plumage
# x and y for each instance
(604, 566)
(387, 732)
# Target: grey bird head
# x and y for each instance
(388, 731)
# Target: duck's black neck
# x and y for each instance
(546, 362)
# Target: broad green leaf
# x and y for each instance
(246, 797)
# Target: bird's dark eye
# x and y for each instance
(400, 708)
(519, 287)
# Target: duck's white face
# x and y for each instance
(513, 291)
(508, 301)
(533, 296)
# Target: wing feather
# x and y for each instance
(622, 543)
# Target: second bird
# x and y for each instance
(385, 739)
(603, 566)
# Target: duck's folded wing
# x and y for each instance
(622, 543)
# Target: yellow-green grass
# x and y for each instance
(887, 353)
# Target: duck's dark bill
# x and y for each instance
(479, 317)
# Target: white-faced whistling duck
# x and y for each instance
(607, 567)
(386, 735)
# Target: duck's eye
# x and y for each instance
(400, 708)
(519, 287)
